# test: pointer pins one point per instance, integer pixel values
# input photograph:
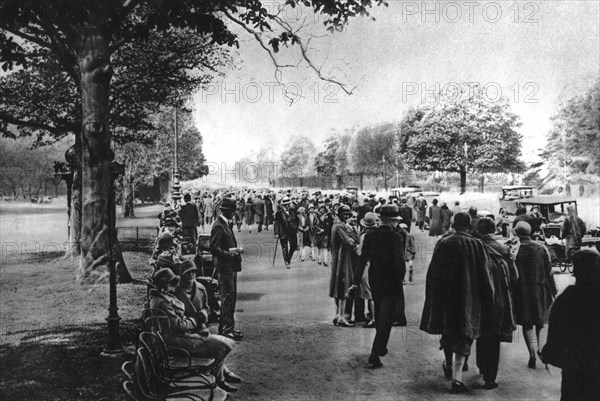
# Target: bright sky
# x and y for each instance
(534, 53)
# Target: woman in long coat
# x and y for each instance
(249, 212)
(344, 258)
(573, 230)
(446, 217)
(238, 217)
(535, 288)
(435, 220)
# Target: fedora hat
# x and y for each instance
(285, 200)
(370, 220)
(227, 204)
(390, 211)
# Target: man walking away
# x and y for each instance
(458, 294)
(383, 250)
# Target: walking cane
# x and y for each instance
(275, 254)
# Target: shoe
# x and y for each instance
(344, 323)
(447, 371)
(233, 336)
(404, 282)
(458, 387)
(335, 321)
(318, 263)
(490, 385)
(325, 264)
(287, 266)
(370, 324)
(232, 377)
(466, 366)
(411, 282)
(375, 362)
(531, 364)
(239, 230)
(238, 333)
(227, 387)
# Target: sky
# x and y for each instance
(536, 54)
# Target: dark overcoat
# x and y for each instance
(505, 275)
(383, 248)
(535, 288)
(221, 240)
(459, 288)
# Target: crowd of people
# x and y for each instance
(477, 289)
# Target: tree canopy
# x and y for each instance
(468, 134)
(575, 135)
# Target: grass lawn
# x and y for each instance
(50, 335)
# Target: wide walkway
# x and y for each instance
(291, 350)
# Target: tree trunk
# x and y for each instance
(463, 180)
(98, 234)
(361, 181)
(482, 183)
(75, 229)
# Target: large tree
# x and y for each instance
(84, 36)
(164, 68)
(574, 141)
(469, 133)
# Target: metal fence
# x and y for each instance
(137, 238)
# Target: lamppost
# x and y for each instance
(113, 346)
(176, 187)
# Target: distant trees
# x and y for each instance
(26, 171)
(297, 160)
(373, 151)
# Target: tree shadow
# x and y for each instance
(64, 362)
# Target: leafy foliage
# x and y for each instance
(372, 150)
(325, 161)
(433, 137)
(297, 160)
(575, 135)
(165, 68)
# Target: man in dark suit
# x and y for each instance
(228, 262)
(383, 248)
(189, 219)
(259, 212)
(287, 229)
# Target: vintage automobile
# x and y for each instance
(511, 195)
(553, 210)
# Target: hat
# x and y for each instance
(404, 226)
(343, 210)
(227, 204)
(170, 223)
(187, 266)
(163, 277)
(165, 241)
(370, 220)
(301, 209)
(390, 211)
(285, 200)
(583, 263)
(311, 206)
(523, 229)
